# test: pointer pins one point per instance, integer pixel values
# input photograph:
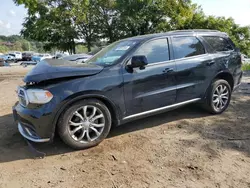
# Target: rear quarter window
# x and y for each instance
(219, 44)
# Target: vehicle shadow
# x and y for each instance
(14, 147)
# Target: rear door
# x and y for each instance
(154, 86)
(224, 52)
(195, 67)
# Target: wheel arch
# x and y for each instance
(115, 112)
(225, 75)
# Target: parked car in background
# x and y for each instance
(77, 57)
(36, 57)
(245, 58)
(129, 79)
(32, 62)
(25, 63)
(60, 55)
(26, 56)
(46, 56)
(17, 55)
(40, 57)
(3, 63)
(8, 57)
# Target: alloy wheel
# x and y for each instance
(86, 124)
(220, 97)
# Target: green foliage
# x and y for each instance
(58, 23)
(246, 67)
(3, 49)
(17, 43)
(81, 49)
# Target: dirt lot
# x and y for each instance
(183, 148)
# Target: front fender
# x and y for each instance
(81, 96)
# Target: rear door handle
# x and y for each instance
(167, 70)
(210, 63)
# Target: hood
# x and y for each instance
(49, 69)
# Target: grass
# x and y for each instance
(246, 67)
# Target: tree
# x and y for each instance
(85, 21)
(58, 23)
(48, 22)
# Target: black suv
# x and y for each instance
(127, 80)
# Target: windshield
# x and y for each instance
(111, 53)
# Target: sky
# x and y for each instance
(239, 10)
(12, 16)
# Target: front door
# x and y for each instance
(154, 86)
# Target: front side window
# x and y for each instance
(219, 44)
(111, 53)
(155, 50)
(187, 47)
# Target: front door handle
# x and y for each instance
(167, 70)
(210, 63)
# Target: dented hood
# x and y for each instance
(53, 68)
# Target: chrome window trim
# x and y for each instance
(159, 63)
(192, 57)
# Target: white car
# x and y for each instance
(17, 55)
(245, 59)
(46, 56)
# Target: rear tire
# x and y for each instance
(218, 97)
(85, 124)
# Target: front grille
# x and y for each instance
(22, 96)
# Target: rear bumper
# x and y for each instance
(236, 87)
(237, 80)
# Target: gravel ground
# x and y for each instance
(182, 148)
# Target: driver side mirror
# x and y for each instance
(139, 61)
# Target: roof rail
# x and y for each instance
(196, 30)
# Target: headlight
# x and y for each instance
(38, 96)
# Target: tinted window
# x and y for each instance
(219, 44)
(155, 50)
(187, 47)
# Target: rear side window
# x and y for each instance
(219, 44)
(155, 50)
(187, 47)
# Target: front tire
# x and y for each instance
(218, 97)
(85, 124)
